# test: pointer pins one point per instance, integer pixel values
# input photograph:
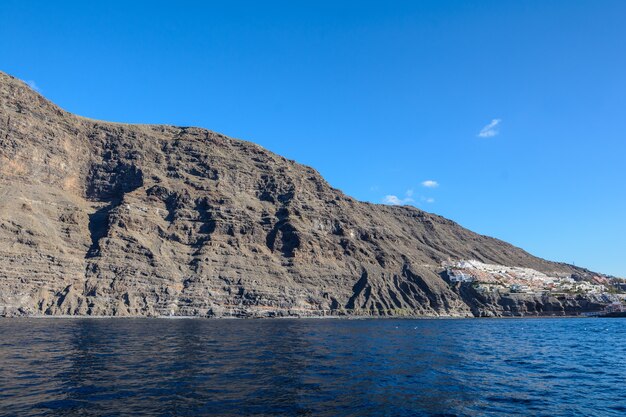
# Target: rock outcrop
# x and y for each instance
(102, 218)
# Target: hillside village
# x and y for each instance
(504, 279)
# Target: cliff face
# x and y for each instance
(111, 219)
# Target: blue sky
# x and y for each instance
(508, 117)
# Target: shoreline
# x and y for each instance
(80, 317)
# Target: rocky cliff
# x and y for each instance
(102, 218)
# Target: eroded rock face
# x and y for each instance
(521, 304)
(111, 219)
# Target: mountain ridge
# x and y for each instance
(105, 218)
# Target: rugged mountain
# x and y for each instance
(102, 218)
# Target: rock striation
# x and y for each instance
(102, 218)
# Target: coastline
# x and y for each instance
(293, 317)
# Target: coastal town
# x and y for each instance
(486, 278)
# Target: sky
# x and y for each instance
(508, 117)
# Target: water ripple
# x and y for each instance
(88, 367)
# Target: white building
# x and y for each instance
(459, 276)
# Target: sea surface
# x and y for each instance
(313, 367)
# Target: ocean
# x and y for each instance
(313, 367)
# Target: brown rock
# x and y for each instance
(103, 218)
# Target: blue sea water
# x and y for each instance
(302, 367)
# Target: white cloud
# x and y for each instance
(490, 130)
(32, 84)
(409, 197)
(394, 200)
(430, 184)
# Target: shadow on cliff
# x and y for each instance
(108, 183)
(99, 228)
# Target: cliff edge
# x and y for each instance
(101, 218)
